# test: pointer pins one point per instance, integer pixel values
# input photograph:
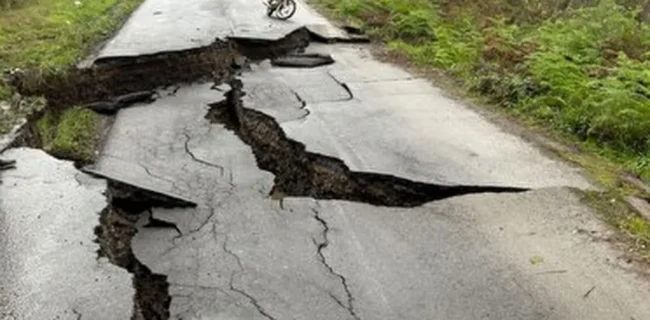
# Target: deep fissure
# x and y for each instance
(300, 173)
(114, 233)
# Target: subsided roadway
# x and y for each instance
(317, 249)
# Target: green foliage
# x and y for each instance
(69, 135)
(580, 67)
(612, 107)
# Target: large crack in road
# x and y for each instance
(117, 227)
(299, 173)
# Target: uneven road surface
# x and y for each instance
(360, 152)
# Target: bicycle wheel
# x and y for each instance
(286, 9)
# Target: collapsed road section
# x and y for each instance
(111, 84)
(299, 173)
(126, 204)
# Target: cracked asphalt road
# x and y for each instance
(242, 254)
(49, 267)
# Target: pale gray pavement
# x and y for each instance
(167, 25)
(242, 256)
(49, 267)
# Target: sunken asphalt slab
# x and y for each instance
(242, 255)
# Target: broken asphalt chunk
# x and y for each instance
(120, 102)
(104, 107)
(303, 60)
(354, 35)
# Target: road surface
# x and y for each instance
(242, 254)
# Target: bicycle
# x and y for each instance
(281, 9)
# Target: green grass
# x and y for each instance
(70, 135)
(53, 34)
(49, 36)
(575, 70)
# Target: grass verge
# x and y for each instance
(49, 36)
(578, 71)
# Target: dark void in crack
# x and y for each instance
(114, 233)
(300, 173)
